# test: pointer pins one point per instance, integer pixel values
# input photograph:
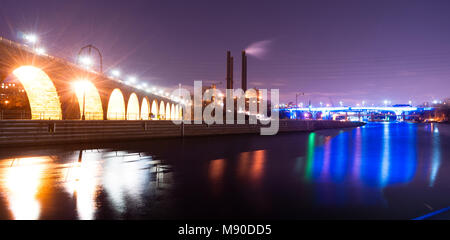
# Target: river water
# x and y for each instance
(378, 171)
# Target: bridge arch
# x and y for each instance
(175, 113)
(88, 98)
(168, 111)
(162, 113)
(116, 106)
(154, 110)
(145, 109)
(181, 112)
(133, 107)
(178, 112)
(172, 112)
(41, 92)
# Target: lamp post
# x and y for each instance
(78, 87)
(89, 48)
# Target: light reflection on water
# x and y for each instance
(325, 168)
(84, 175)
(22, 182)
(366, 159)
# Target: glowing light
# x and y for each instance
(93, 104)
(86, 61)
(162, 113)
(115, 73)
(436, 101)
(132, 79)
(145, 109)
(41, 93)
(180, 112)
(154, 110)
(82, 183)
(310, 156)
(31, 38)
(40, 51)
(216, 170)
(116, 106)
(385, 164)
(124, 181)
(21, 186)
(168, 112)
(177, 112)
(435, 157)
(133, 107)
(172, 112)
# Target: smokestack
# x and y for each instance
(231, 73)
(229, 70)
(244, 71)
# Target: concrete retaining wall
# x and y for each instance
(32, 132)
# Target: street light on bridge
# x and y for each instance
(40, 51)
(31, 38)
(132, 79)
(85, 61)
(115, 73)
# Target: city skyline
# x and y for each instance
(347, 51)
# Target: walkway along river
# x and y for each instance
(33, 132)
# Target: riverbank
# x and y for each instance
(32, 132)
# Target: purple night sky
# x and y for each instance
(332, 50)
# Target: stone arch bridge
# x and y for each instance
(59, 90)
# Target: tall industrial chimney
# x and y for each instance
(229, 70)
(244, 71)
(231, 73)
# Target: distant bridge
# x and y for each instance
(57, 89)
(359, 113)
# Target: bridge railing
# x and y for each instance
(26, 114)
(14, 114)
